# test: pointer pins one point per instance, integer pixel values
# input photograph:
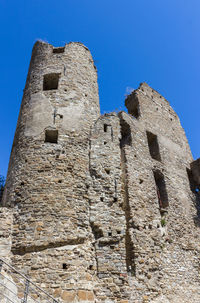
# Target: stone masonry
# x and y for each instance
(99, 208)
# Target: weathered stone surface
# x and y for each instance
(102, 208)
(6, 222)
(68, 296)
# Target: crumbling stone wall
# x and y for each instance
(163, 228)
(107, 217)
(105, 208)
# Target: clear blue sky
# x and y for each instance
(131, 41)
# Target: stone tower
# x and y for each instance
(48, 170)
(101, 208)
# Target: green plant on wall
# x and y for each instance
(163, 222)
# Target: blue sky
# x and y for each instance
(131, 41)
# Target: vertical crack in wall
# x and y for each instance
(130, 254)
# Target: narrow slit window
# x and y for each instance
(105, 127)
(51, 136)
(58, 50)
(161, 189)
(50, 81)
(153, 146)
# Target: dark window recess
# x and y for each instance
(58, 50)
(193, 185)
(97, 232)
(134, 109)
(50, 81)
(126, 138)
(153, 146)
(107, 170)
(51, 135)
(161, 189)
(105, 127)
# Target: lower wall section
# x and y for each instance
(109, 239)
(6, 221)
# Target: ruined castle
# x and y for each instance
(97, 208)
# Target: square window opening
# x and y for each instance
(50, 81)
(51, 136)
